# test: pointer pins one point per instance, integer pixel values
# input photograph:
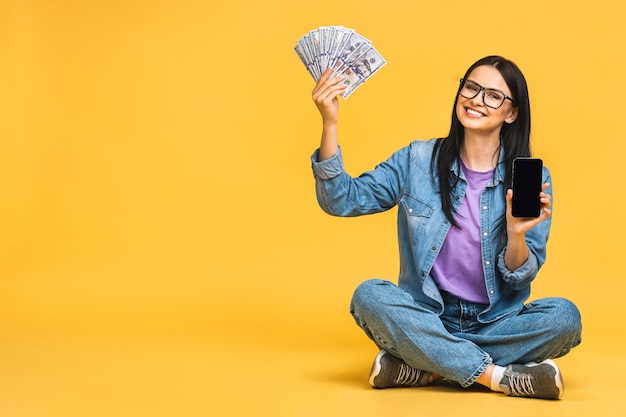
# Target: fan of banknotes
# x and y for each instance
(350, 54)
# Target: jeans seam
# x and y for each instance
(481, 369)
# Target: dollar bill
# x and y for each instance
(350, 54)
(363, 67)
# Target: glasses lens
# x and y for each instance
(493, 98)
(470, 89)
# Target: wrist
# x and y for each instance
(516, 239)
(515, 234)
(329, 125)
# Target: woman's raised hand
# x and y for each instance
(522, 225)
(325, 95)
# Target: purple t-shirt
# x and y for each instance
(458, 268)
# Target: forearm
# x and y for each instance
(516, 251)
(325, 97)
(329, 143)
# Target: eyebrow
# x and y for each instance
(488, 88)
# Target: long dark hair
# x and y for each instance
(514, 137)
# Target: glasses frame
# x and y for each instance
(482, 90)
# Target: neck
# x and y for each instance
(480, 153)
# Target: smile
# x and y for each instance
(473, 112)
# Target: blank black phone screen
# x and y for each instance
(526, 187)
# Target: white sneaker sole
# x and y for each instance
(376, 367)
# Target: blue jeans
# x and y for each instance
(456, 345)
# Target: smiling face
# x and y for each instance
(474, 115)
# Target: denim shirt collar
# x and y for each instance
(498, 175)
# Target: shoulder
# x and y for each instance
(422, 149)
(421, 152)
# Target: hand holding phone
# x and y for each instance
(527, 187)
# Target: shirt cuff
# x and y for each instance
(328, 168)
(523, 275)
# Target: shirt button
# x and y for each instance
(434, 248)
(410, 210)
(487, 263)
(484, 207)
(491, 292)
(485, 234)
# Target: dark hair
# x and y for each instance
(514, 137)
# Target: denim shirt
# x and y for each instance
(407, 181)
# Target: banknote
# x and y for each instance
(350, 54)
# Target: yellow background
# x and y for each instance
(161, 249)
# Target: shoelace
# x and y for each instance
(408, 375)
(521, 385)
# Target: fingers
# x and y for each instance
(328, 93)
(546, 199)
(328, 87)
(324, 78)
(325, 95)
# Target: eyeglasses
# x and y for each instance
(491, 97)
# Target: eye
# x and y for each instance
(472, 87)
(493, 94)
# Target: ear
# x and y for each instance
(512, 116)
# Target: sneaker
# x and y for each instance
(389, 371)
(533, 380)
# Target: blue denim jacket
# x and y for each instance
(406, 180)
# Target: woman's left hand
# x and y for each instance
(520, 225)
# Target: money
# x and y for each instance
(351, 55)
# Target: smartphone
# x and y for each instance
(526, 187)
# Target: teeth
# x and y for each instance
(474, 112)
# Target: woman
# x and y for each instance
(466, 264)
